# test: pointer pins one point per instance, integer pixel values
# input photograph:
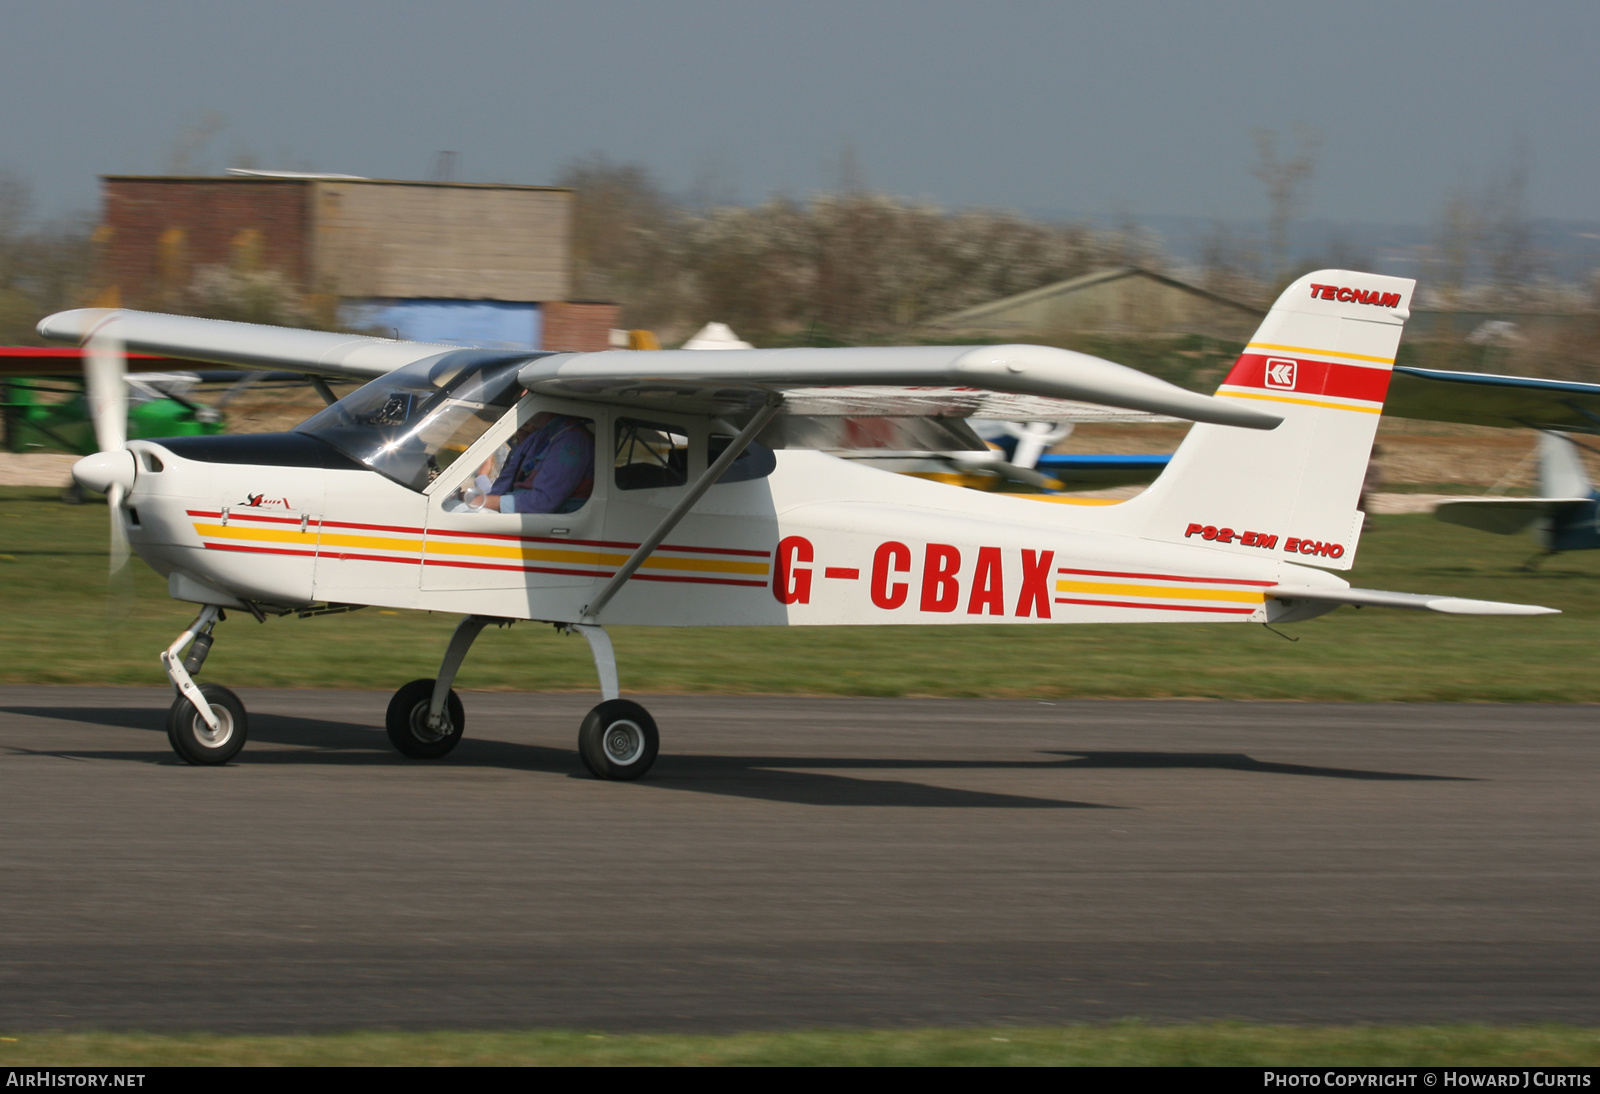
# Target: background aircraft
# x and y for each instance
(45, 406)
(1566, 514)
(993, 455)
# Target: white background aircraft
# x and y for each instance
(1566, 514)
(701, 515)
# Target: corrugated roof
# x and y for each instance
(967, 316)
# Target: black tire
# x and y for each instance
(194, 741)
(618, 740)
(407, 722)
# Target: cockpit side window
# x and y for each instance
(650, 455)
(757, 461)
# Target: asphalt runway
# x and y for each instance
(798, 863)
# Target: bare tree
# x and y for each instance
(1285, 181)
(1229, 266)
(1482, 256)
(621, 231)
(190, 145)
(851, 265)
(44, 267)
(1507, 236)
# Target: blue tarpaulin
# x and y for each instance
(496, 324)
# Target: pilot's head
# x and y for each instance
(537, 422)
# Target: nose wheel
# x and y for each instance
(198, 742)
(207, 725)
(618, 740)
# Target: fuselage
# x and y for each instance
(818, 541)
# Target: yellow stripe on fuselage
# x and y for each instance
(1056, 499)
(583, 557)
(575, 556)
(1166, 592)
(309, 538)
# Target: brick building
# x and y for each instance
(433, 261)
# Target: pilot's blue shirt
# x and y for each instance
(551, 471)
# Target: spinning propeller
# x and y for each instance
(112, 469)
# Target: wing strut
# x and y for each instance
(591, 611)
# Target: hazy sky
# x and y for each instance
(1119, 108)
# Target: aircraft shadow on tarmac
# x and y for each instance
(804, 780)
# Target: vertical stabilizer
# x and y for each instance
(1322, 359)
(1561, 471)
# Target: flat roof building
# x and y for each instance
(436, 261)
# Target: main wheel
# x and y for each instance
(196, 742)
(407, 722)
(618, 740)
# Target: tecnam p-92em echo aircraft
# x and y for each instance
(701, 507)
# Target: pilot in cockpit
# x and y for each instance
(550, 469)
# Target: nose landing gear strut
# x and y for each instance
(206, 725)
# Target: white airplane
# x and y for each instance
(1566, 515)
(691, 521)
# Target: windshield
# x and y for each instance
(412, 423)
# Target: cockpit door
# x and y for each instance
(497, 563)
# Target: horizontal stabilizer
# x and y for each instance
(1422, 602)
(245, 345)
(1502, 516)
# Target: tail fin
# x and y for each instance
(1322, 359)
(1561, 471)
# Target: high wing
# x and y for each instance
(1015, 381)
(907, 381)
(953, 402)
(246, 345)
(1475, 398)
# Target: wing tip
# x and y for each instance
(73, 325)
(1455, 605)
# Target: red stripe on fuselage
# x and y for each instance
(1154, 607)
(591, 573)
(1167, 577)
(456, 534)
(346, 557)
(246, 516)
(261, 550)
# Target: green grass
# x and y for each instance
(1125, 1043)
(61, 624)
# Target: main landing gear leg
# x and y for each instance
(618, 738)
(1533, 563)
(206, 725)
(425, 718)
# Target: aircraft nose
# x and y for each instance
(104, 470)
